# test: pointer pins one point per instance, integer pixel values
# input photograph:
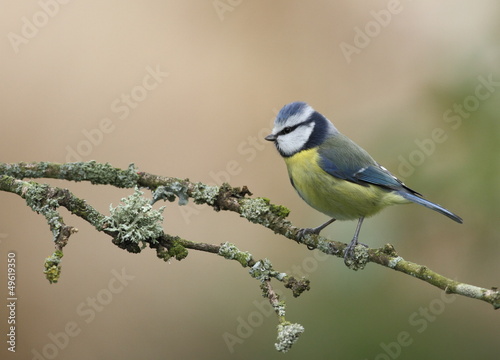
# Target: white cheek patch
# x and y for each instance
(295, 141)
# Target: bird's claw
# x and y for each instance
(348, 253)
(349, 250)
(355, 259)
(306, 231)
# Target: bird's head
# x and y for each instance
(299, 127)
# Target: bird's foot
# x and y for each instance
(308, 231)
(352, 258)
(313, 231)
(349, 250)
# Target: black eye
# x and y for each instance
(286, 130)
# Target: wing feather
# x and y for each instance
(344, 159)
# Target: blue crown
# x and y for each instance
(290, 110)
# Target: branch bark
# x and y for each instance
(145, 229)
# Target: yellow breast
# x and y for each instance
(337, 198)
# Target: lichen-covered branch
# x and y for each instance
(135, 224)
(256, 210)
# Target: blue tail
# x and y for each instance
(418, 200)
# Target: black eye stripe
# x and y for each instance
(289, 129)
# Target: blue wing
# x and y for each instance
(342, 158)
(379, 175)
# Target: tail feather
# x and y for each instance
(419, 200)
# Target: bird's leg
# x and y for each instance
(315, 230)
(350, 248)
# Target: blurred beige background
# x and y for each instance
(189, 89)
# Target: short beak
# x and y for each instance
(270, 137)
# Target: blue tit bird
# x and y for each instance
(333, 174)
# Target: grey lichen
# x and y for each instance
(253, 209)
(231, 252)
(394, 261)
(470, 291)
(135, 221)
(279, 308)
(40, 198)
(11, 170)
(205, 194)
(129, 177)
(262, 270)
(359, 258)
(288, 334)
(176, 189)
(280, 276)
(326, 246)
(36, 196)
(92, 171)
(98, 173)
(24, 170)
